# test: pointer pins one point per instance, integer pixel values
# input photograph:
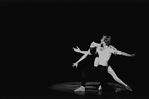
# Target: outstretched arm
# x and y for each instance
(126, 54)
(83, 57)
(79, 51)
(117, 52)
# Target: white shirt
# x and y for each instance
(104, 55)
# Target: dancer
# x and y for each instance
(104, 51)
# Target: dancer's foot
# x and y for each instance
(100, 88)
(128, 88)
(81, 88)
(118, 90)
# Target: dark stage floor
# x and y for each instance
(65, 90)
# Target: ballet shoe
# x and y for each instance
(128, 88)
(99, 88)
(81, 88)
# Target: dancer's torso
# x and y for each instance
(104, 56)
(99, 57)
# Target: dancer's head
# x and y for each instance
(106, 39)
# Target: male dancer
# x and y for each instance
(104, 51)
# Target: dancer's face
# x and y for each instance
(105, 40)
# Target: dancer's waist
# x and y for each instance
(102, 66)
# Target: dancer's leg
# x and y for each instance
(84, 76)
(103, 79)
(115, 77)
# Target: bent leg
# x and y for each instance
(82, 87)
(102, 74)
(115, 77)
(84, 76)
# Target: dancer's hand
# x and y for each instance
(132, 55)
(75, 65)
(76, 49)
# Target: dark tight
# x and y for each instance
(101, 72)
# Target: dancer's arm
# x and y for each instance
(79, 51)
(117, 52)
(126, 54)
(83, 57)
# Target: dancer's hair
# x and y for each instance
(106, 39)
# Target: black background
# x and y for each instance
(37, 38)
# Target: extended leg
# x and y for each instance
(115, 77)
